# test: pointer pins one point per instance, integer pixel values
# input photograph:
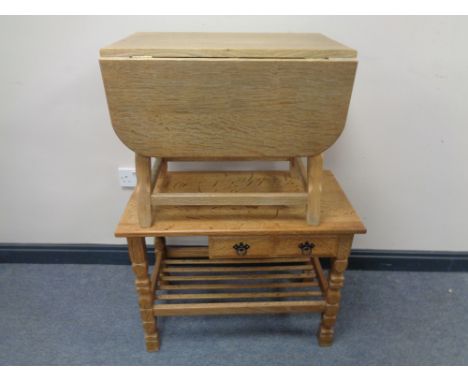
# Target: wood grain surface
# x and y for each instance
(259, 45)
(228, 107)
(270, 246)
(337, 215)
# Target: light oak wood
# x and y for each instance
(314, 188)
(160, 178)
(173, 270)
(279, 285)
(228, 108)
(225, 95)
(159, 253)
(143, 189)
(333, 295)
(238, 283)
(252, 96)
(226, 158)
(202, 296)
(270, 246)
(297, 169)
(138, 258)
(320, 275)
(238, 308)
(278, 276)
(257, 260)
(337, 216)
(205, 188)
(186, 252)
(229, 199)
(231, 182)
(260, 45)
(159, 167)
(155, 273)
(241, 180)
(233, 97)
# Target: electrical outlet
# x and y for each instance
(127, 177)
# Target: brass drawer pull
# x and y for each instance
(241, 248)
(306, 248)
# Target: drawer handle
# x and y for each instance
(306, 248)
(241, 248)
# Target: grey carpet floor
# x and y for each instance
(88, 315)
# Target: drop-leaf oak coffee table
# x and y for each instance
(233, 96)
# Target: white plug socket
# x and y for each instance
(127, 177)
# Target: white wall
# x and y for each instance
(402, 159)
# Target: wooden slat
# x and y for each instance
(236, 269)
(321, 277)
(304, 284)
(229, 199)
(238, 277)
(238, 308)
(200, 296)
(296, 259)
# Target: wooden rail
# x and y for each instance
(229, 198)
(238, 308)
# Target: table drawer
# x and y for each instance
(271, 246)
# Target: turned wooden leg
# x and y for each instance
(137, 252)
(333, 294)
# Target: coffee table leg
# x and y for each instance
(333, 295)
(137, 252)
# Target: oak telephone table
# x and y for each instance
(259, 259)
(233, 96)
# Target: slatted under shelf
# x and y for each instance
(189, 283)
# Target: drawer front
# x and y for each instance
(271, 246)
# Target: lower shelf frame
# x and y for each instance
(244, 286)
(190, 283)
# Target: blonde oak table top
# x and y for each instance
(337, 213)
(229, 45)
